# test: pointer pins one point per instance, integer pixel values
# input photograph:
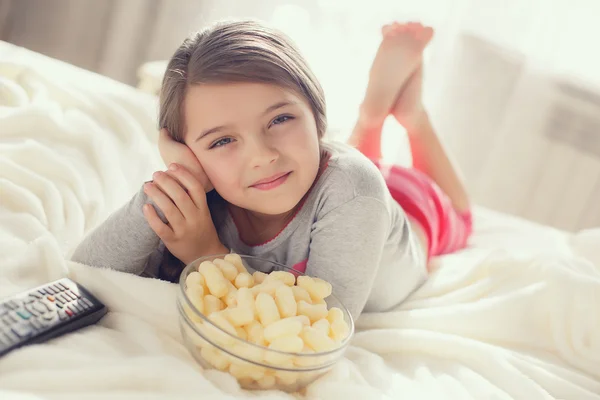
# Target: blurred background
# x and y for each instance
(513, 86)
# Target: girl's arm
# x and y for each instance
(123, 242)
(348, 249)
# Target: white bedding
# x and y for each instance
(516, 316)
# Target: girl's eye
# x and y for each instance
(221, 143)
(281, 119)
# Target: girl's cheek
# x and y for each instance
(220, 173)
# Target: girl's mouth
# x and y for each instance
(271, 182)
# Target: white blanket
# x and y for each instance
(487, 325)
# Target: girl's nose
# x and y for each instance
(263, 153)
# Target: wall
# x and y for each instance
(110, 37)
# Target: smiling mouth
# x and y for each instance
(271, 182)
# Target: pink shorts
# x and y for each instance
(446, 229)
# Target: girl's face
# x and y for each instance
(257, 143)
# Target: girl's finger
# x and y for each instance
(193, 186)
(162, 230)
(173, 188)
(166, 205)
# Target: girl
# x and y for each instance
(242, 120)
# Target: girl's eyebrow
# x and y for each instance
(210, 131)
(276, 106)
(219, 128)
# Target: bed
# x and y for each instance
(515, 316)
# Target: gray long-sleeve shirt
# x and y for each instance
(349, 232)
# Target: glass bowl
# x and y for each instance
(255, 367)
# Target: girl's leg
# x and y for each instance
(397, 58)
(432, 194)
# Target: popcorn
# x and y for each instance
(244, 279)
(266, 309)
(314, 312)
(317, 288)
(285, 301)
(281, 328)
(276, 311)
(259, 277)
(316, 339)
(215, 281)
(229, 271)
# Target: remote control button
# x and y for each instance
(50, 306)
(24, 314)
(63, 286)
(39, 307)
(78, 307)
(3, 310)
(6, 320)
(49, 290)
(57, 288)
(69, 312)
(42, 292)
(13, 317)
(62, 315)
(75, 293)
(9, 336)
(13, 304)
(37, 295)
(22, 330)
(29, 307)
(49, 316)
(87, 302)
(60, 305)
(30, 299)
(37, 324)
(51, 298)
(69, 296)
(83, 304)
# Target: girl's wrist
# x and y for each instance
(217, 248)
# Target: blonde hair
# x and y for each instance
(236, 51)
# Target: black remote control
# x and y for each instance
(46, 312)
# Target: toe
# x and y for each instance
(398, 27)
(386, 29)
(425, 34)
(394, 30)
(413, 25)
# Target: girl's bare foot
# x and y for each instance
(397, 59)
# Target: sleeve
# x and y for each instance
(123, 242)
(346, 249)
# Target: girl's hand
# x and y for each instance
(190, 232)
(175, 152)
